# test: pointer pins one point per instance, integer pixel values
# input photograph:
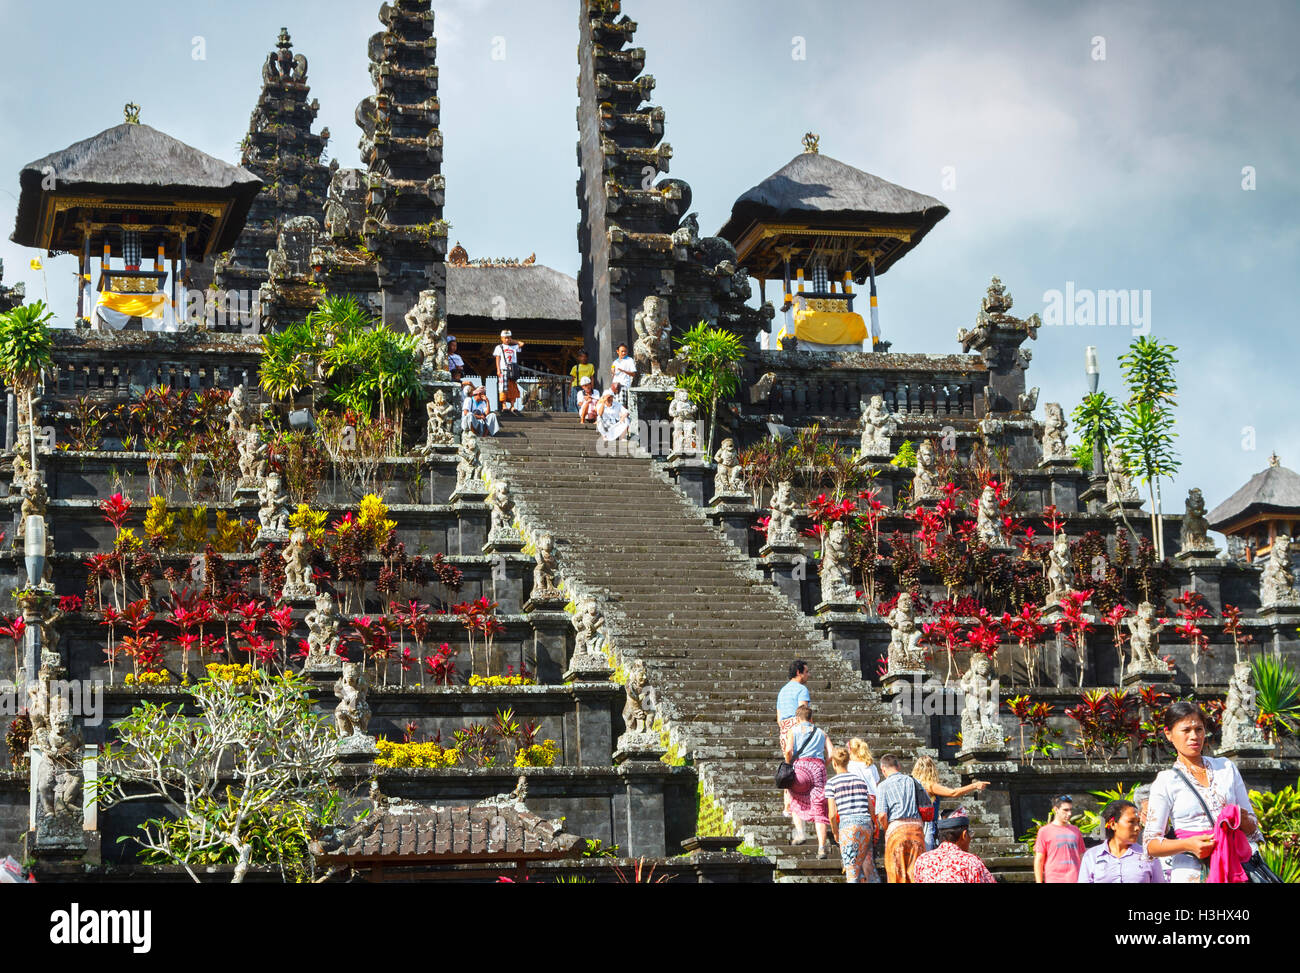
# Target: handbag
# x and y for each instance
(1255, 867)
(929, 809)
(785, 776)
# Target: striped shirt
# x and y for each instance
(896, 796)
(851, 795)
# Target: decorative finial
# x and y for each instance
(458, 256)
(284, 41)
(1274, 461)
(132, 113)
(811, 142)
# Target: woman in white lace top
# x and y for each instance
(1174, 797)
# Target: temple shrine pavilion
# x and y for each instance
(820, 226)
(134, 195)
(1256, 515)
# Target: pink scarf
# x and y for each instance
(1231, 847)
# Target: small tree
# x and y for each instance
(710, 374)
(1097, 420)
(257, 757)
(1146, 431)
(25, 352)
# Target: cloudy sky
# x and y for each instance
(1099, 147)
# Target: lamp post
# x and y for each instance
(34, 550)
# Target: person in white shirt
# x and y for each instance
(611, 417)
(1177, 795)
(454, 361)
(587, 399)
(623, 371)
(507, 356)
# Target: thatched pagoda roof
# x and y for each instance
(1275, 490)
(133, 163)
(512, 293)
(816, 190)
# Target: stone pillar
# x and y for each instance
(645, 776)
(786, 566)
(552, 638)
(736, 520)
(693, 477)
(847, 628)
(594, 724)
(472, 516)
(1205, 575)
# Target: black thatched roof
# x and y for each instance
(836, 194)
(1275, 490)
(136, 161)
(521, 293)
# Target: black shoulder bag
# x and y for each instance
(1256, 868)
(785, 770)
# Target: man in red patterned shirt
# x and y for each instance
(952, 861)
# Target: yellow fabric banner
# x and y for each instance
(134, 305)
(829, 327)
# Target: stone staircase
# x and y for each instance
(717, 640)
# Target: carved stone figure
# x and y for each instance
(430, 331)
(685, 428)
(352, 714)
(1058, 570)
(1119, 485)
(1145, 629)
(1194, 537)
(905, 652)
(925, 475)
(297, 567)
(988, 522)
(59, 779)
(729, 480)
(252, 460)
(652, 349)
(469, 470)
(236, 414)
(273, 514)
(588, 624)
(277, 264)
(503, 512)
(980, 727)
(322, 634)
(1277, 583)
(837, 586)
(639, 710)
(442, 417)
(1054, 433)
(780, 528)
(546, 571)
(1240, 709)
(875, 427)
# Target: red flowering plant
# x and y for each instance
(15, 631)
(479, 618)
(985, 636)
(1034, 715)
(1232, 626)
(1151, 735)
(116, 509)
(1115, 619)
(441, 666)
(1026, 629)
(283, 622)
(412, 617)
(1191, 611)
(946, 632)
(1075, 625)
(1108, 721)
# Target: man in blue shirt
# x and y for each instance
(898, 815)
(787, 702)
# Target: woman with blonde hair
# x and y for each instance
(862, 763)
(849, 809)
(926, 773)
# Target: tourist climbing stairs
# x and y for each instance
(716, 638)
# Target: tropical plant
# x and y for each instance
(1096, 419)
(1277, 695)
(1146, 432)
(25, 352)
(266, 753)
(710, 373)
